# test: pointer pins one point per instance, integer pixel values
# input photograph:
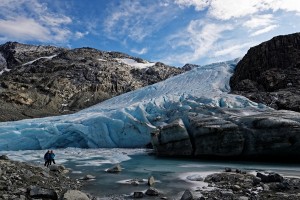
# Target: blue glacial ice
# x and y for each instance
(128, 120)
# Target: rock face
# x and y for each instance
(173, 139)
(39, 81)
(228, 133)
(270, 73)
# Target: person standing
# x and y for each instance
(47, 158)
(52, 156)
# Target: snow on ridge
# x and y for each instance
(134, 63)
(128, 120)
(4, 70)
(44, 57)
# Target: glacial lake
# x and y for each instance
(172, 176)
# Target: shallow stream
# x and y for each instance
(172, 176)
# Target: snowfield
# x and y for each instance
(128, 120)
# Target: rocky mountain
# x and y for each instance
(39, 81)
(270, 73)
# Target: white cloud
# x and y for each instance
(198, 4)
(199, 37)
(229, 9)
(25, 20)
(264, 30)
(233, 51)
(28, 29)
(136, 19)
(79, 34)
(139, 52)
(260, 21)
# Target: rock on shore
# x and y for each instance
(22, 181)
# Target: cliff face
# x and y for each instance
(270, 73)
(39, 81)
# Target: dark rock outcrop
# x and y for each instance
(173, 139)
(226, 133)
(270, 73)
(39, 81)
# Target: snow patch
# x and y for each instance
(134, 63)
(4, 70)
(44, 57)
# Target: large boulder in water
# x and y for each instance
(215, 136)
(226, 133)
(172, 139)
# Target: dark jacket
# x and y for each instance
(47, 156)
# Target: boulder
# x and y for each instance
(187, 195)
(56, 168)
(151, 181)
(43, 193)
(4, 157)
(272, 177)
(75, 195)
(271, 134)
(172, 139)
(215, 136)
(115, 169)
(138, 195)
(88, 177)
(152, 192)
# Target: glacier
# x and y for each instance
(127, 121)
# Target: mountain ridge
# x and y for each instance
(270, 72)
(40, 81)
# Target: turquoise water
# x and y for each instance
(172, 176)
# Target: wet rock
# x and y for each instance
(138, 195)
(152, 192)
(4, 157)
(187, 195)
(151, 181)
(256, 181)
(227, 169)
(195, 177)
(44, 193)
(75, 195)
(115, 169)
(88, 177)
(272, 177)
(134, 182)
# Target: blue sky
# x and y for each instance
(171, 31)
